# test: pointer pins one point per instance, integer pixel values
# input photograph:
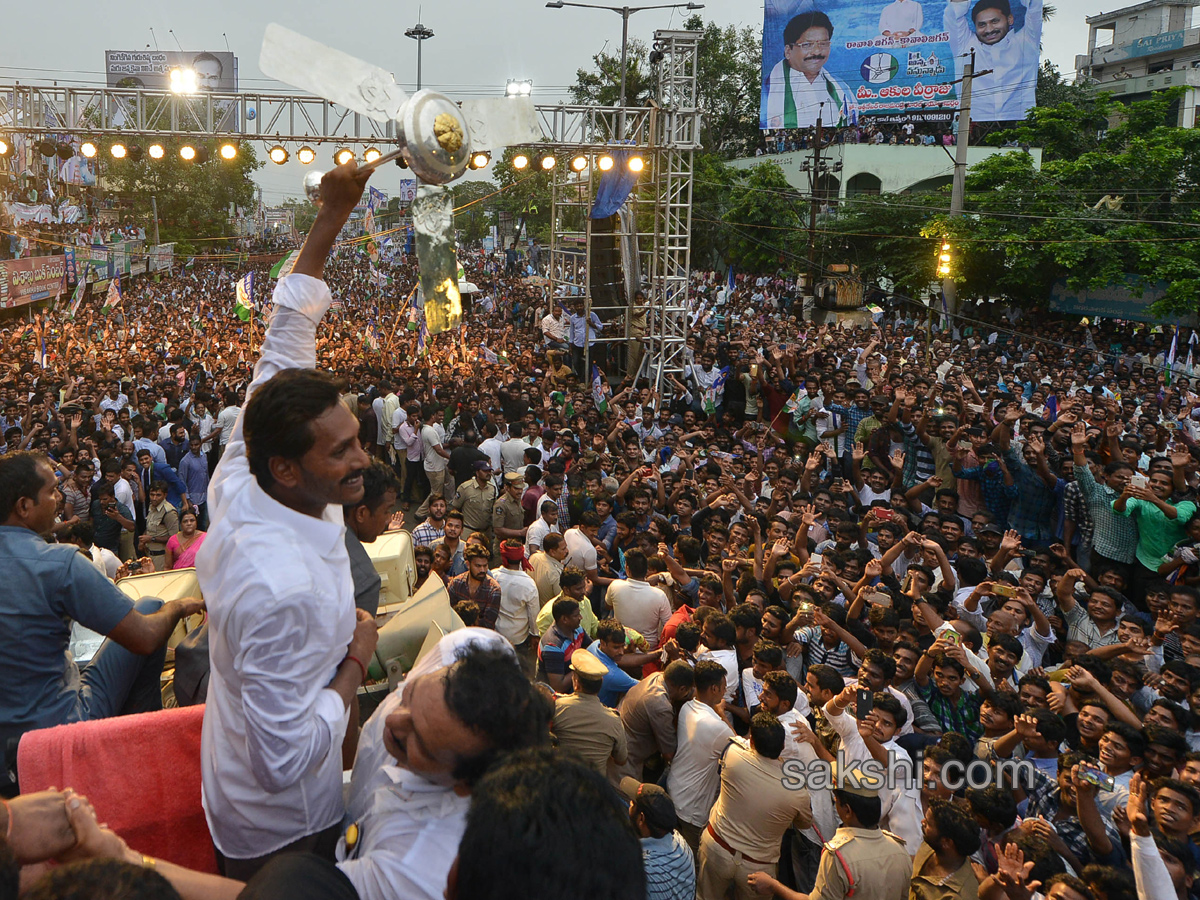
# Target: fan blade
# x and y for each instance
(497, 122)
(304, 63)
(433, 221)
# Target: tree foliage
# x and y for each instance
(193, 200)
(472, 222)
(304, 211)
(1105, 205)
(763, 214)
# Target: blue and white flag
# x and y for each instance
(422, 334)
(715, 393)
(1171, 356)
(598, 393)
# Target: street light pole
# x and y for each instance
(624, 12)
(420, 34)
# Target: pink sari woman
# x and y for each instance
(182, 547)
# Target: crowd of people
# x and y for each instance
(787, 140)
(845, 549)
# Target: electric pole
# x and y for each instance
(962, 144)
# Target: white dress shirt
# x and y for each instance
(694, 776)
(281, 614)
(640, 606)
(1007, 92)
(537, 533)
(901, 15)
(519, 605)
(409, 836)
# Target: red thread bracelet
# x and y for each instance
(358, 662)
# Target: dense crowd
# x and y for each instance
(816, 544)
(787, 140)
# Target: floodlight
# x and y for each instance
(371, 154)
(306, 155)
(187, 153)
(548, 162)
(117, 150)
(88, 149)
(343, 156)
(579, 163)
(156, 151)
(278, 154)
(228, 151)
(183, 80)
(605, 163)
(636, 164)
(480, 159)
(520, 161)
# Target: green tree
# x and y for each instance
(728, 78)
(304, 211)
(526, 193)
(1104, 206)
(601, 86)
(764, 214)
(193, 199)
(472, 222)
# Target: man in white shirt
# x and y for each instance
(435, 458)
(519, 603)
(546, 523)
(800, 89)
(901, 18)
(637, 604)
(1012, 56)
(227, 418)
(288, 651)
(701, 736)
(555, 328)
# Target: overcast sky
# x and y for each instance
(477, 47)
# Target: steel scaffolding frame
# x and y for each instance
(666, 135)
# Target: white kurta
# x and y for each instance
(1009, 91)
(824, 96)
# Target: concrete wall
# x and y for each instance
(874, 168)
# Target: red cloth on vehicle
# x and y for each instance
(141, 773)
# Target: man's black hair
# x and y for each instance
(1002, 5)
(378, 478)
(995, 804)
(868, 810)
(797, 25)
(538, 804)
(277, 420)
(783, 684)
(828, 678)
(955, 823)
(20, 479)
(767, 734)
(880, 660)
(102, 879)
(488, 693)
(679, 674)
(708, 674)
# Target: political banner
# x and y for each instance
(214, 71)
(408, 190)
(31, 279)
(897, 60)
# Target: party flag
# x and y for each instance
(244, 294)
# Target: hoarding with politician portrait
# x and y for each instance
(896, 60)
(151, 69)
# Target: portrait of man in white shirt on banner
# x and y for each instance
(799, 88)
(1012, 54)
(901, 19)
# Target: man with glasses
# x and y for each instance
(799, 89)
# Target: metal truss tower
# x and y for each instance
(654, 228)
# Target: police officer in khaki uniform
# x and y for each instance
(861, 860)
(508, 516)
(582, 724)
(475, 499)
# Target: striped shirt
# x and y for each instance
(425, 534)
(670, 868)
(1113, 536)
